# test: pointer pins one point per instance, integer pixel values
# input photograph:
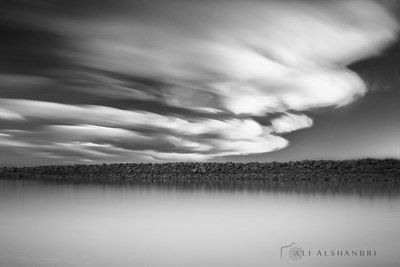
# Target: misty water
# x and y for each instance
(59, 224)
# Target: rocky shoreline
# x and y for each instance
(370, 171)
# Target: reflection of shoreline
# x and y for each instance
(311, 176)
(362, 190)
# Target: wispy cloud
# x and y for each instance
(180, 80)
(140, 131)
(9, 115)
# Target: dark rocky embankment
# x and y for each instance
(337, 172)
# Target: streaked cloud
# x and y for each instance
(179, 80)
(257, 57)
(140, 131)
(9, 115)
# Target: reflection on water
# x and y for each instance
(54, 224)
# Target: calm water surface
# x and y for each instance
(51, 224)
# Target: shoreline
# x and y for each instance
(363, 171)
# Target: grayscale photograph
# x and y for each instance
(199, 133)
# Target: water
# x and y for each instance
(52, 224)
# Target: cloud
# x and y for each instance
(181, 80)
(9, 115)
(302, 91)
(257, 57)
(140, 131)
(291, 122)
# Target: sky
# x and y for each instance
(183, 80)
